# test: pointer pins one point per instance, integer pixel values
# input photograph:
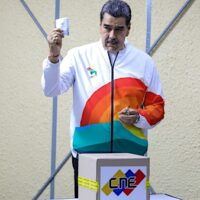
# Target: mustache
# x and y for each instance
(112, 41)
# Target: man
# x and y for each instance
(117, 93)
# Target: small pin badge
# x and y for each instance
(92, 72)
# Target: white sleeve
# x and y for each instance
(153, 107)
(57, 78)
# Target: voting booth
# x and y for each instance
(113, 176)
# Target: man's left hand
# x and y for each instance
(128, 116)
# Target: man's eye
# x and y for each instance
(119, 29)
(107, 28)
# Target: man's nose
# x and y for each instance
(112, 34)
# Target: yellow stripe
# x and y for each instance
(89, 184)
(135, 131)
(147, 184)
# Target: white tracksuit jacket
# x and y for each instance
(88, 70)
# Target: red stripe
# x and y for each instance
(153, 109)
(105, 90)
(139, 177)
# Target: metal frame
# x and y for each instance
(149, 49)
(148, 24)
(51, 178)
(54, 123)
(169, 27)
(54, 171)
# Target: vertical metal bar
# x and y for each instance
(148, 31)
(148, 46)
(54, 123)
(57, 9)
(53, 145)
(148, 25)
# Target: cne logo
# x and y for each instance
(121, 182)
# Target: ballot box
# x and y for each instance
(113, 176)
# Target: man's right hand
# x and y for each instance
(55, 44)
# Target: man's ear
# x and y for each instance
(129, 27)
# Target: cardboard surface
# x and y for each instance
(121, 176)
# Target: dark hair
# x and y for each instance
(116, 8)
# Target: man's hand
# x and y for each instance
(55, 44)
(128, 116)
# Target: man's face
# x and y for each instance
(113, 32)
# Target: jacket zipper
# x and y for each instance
(112, 100)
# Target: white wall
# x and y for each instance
(25, 120)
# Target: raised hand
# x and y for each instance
(55, 44)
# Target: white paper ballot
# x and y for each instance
(63, 24)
